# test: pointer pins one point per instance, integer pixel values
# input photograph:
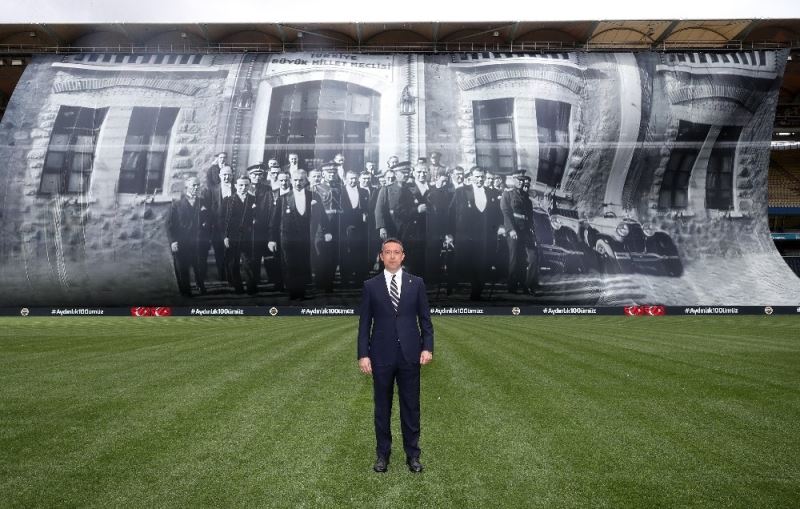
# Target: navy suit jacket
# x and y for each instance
(380, 328)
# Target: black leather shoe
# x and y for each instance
(414, 465)
(381, 465)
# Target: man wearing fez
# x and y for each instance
(239, 211)
(189, 231)
(517, 209)
(475, 219)
(262, 195)
(438, 201)
(300, 227)
(216, 199)
(353, 231)
(212, 174)
(395, 337)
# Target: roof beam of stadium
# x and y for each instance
(369, 11)
(204, 31)
(513, 33)
(666, 33)
(281, 32)
(49, 31)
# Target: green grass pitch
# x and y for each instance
(516, 412)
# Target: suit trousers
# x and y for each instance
(383, 379)
(522, 265)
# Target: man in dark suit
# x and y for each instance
(300, 227)
(212, 174)
(239, 211)
(374, 240)
(326, 259)
(439, 198)
(262, 194)
(215, 198)
(517, 209)
(353, 231)
(475, 218)
(395, 337)
(394, 210)
(189, 230)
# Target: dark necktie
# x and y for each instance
(394, 293)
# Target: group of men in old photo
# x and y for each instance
(304, 227)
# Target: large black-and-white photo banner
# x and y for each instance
(261, 179)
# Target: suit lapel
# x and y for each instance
(407, 282)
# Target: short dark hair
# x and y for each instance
(392, 240)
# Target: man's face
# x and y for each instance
(329, 175)
(352, 179)
(293, 159)
(226, 175)
(402, 175)
(363, 181)
(518, 183)
(338, 159)
(371, 167)
(499, 182)
(273, 172)
(382, 181)
(421, 173)
(525, 185)
(256, 178)
(390, 178)
(434, 159)
(192, 187)
(393, 161)
(241, 186)
(315, 177)
(221, 159)
(299, 182)
(458, 177)
(478, 179)
(392, 256)
(283, 181)
(441, 181)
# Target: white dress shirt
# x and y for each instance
(398, 280)
(480, 198)
(352, 193)
(300, 201)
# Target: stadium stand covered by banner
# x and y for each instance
(512, 179)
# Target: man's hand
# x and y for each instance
(365, 365)
(328, 237)
(425, 357)
(174, 247)
(513, 234)
(227, 242)
(383, 234)
(272, 245)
